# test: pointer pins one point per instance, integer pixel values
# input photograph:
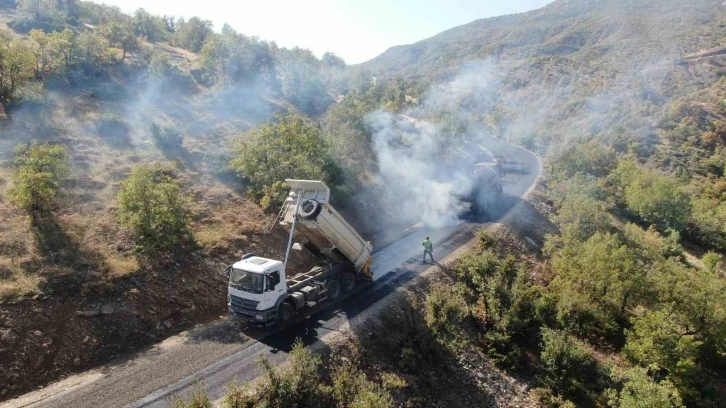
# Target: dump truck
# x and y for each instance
(260, 290)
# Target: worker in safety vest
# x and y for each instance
(428, 249)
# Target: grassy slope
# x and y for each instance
(92, 262)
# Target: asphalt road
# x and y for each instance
(215, 354)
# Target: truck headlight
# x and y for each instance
(259, 317)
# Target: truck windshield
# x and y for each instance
(247, 281)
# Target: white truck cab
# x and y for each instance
(255, 286)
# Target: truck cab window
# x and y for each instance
(274, 279)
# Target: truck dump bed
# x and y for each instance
(331, 235)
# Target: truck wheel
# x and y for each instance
(285, 314)
(310, 209)
(333, 289)
(348, 281)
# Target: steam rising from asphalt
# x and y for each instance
(423, 167)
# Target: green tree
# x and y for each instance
(708, 221)
(287, 147)
(601, 274)
(192, 34)
(641, 391)
(581, 216)
(347, 135)
(46, 50)
(302, 81)
(120, 35)
(49, 14)
(654, 197)
(153, 207)
(16, 66)
(591, 158)
(150, 26)
(331, 60)
(232, 58)
(91, 51)
(39, 169)
(656, 340)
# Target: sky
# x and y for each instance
(356, 30)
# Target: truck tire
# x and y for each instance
(285, 313)
(310, 209)
(333, 289)
(348, 281)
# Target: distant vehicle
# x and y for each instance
(485, 190)
(260, 291)
(509, 166)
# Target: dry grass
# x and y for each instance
(212, 236)
(15, 281)
(120, 266)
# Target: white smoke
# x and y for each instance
(426, 167)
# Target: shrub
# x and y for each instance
(39, 169)
(564, 360)
(237, 396)
(352, 389)
(113, 129)
(167, 138)
(198, 398)
(153, 208)
(297, 384)
(445, 312)
(712, 260)
(547, 399)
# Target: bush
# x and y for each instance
(445, 312)
(39, 169)
(153, 208)
(352, 389)
(113, 129)
(564, 360)
(167, 138)
(297, 384)
(198, 398)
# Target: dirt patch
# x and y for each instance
(76, 327)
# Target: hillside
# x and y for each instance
(582, 35)
(77, 287)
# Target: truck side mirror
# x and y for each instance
(226, 272)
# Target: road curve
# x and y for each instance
(218, 353)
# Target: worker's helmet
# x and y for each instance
(427, 237)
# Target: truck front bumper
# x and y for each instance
(252, 316)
